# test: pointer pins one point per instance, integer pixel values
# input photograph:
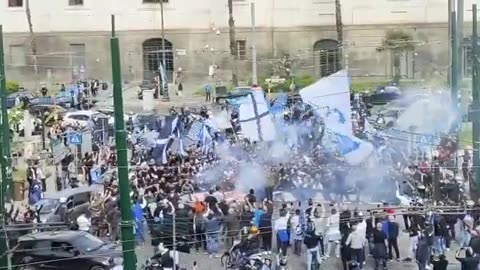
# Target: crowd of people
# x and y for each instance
(192, 203)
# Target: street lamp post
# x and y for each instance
(164, 86)
(44, 119)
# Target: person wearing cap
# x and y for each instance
(251, 244)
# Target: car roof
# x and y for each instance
(82, 113)
(52, 235)
(71, 191)
(21, 93)
(87, 113)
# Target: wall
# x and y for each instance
(283, 27)
(57, 16)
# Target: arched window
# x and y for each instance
(153, 57)
(326, 57)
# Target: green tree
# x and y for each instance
(12, 86)
(397, 42)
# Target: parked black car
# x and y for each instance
(25, 96)
(63, 250)
(383, 95)
(222, 97)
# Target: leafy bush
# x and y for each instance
(13, 86)
(300, 82)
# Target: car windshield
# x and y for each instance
(87, 242)
(48, 205)
(241, 91)
(63, 94)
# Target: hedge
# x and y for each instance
(13, 86)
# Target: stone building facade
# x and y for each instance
(73, 37)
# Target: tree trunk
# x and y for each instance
(233, 43)
(396, 66)
(33, 41)
(339, 26)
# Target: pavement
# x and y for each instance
(133, 104)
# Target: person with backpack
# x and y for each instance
(297, 232)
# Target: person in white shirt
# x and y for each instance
(356, 241)
(280, 228)
(83, 223)
(333, 235)
(362, 228)
(320, 220)
(296, 233)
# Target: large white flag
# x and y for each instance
(330, 97)
(255, 118)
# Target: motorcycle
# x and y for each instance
(153, 264)
(234, 258)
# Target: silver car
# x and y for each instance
(77, 199)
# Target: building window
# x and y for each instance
(75, 2)
(467, 61)
(78, 61)
(15, 3)
(154, 1)
(17, 55)
(241, 49)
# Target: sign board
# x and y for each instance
(58, 149)
(75, 139)
(181, 52)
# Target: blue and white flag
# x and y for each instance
(255, 118)
(204, 138)
(279, 105)
(194, 131)
(165, 137)
(163, 76)
(330, 98)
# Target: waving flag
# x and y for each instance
(279, 104)
(255, 118)
(330, 98)
(165, 137)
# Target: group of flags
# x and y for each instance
(173, 133)
(256, 118)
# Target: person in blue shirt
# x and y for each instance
(208, 93)
(138, 214)
(259, 212)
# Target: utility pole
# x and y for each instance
(4, 165)
(339, 26)
(128, 240)
(450, 10)
(254, 45)
(233, 42)
(460, 20)
(164, 59)
(6, 154)
(475, 107)
(455, 64)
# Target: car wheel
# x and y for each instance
(97, 267)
